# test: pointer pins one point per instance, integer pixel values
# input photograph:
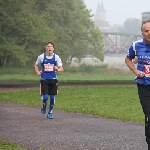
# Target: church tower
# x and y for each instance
(100, 12)
(100, 17)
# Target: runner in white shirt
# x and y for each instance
(50, 64)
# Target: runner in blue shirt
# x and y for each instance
(139, 52)
(50, 64)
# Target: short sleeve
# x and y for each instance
(39, 59)
(131, 52)
(59, 61)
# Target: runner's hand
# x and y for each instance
(139, 73)
(39, 73)
(55, 68)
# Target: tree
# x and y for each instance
(26, 25)
(21, 32)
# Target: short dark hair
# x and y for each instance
(50, 43)
(143, 22)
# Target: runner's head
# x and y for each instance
(49, 48)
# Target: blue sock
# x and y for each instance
(52, 103)
(44, 98)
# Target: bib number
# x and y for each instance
(147, 70)
(48, 67)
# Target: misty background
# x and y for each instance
(119, 16)
(118, 11)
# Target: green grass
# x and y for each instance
(91, 77)
(9, 146)
(83, 73)
(68, 77)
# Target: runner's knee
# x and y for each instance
(45, 97)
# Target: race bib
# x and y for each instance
(147, 70)
(48, 67)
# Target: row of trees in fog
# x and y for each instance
(26, 25)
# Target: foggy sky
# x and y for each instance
(117, 11)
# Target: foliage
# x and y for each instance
(21, 30)
(26, 25)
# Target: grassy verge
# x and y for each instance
(68, 78)
(83, 73)
(9, 146)
(109, 102)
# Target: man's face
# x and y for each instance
(146, 32)
(49, 49)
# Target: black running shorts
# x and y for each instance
(49, 86)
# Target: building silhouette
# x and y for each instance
(111, 41)
(146, 16)
(100, 18)
(101, 21)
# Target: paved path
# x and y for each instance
(27, 127)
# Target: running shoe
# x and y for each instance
(50, 116)
(43, 110)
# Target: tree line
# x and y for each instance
(26, 25)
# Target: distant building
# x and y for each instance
(104, 27)
(100, 18)
(146, 16)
